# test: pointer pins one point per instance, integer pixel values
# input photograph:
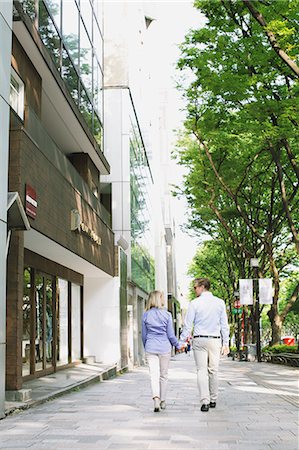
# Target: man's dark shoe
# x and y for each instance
(204, 408)
(212, 404)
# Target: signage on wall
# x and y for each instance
(78, 225)
(30, 201)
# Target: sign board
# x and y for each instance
(237, 304)
(237, 310)
(30, 202)
(246, 291)
(265, 291)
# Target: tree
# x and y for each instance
(242, 108)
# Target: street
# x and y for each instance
(256, 410)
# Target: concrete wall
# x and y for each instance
(5, 53)
(102, 319)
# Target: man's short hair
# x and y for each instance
(205, 282)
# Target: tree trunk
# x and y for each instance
(276, 329)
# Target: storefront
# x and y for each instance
(52, 316)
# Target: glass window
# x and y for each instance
(62, 322)
(49, 322)
(98, 10)
(70, 75)
(26, 322)
(29, 8)
(39, 311)
(85, 59)
(86, 107)
(48, 34)
(86, 14)
(97, 41)
(70, 29)
(97, 130)
(76, 322)
(54, 6)
(97, 88)
(16, 97)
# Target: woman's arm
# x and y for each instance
(170, 333)
(144, 332)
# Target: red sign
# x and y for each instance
(30, 203)
(237, 304)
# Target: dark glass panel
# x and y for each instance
(26, 322)
(49, 323)
(39, 331)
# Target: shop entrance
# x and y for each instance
(38, 322)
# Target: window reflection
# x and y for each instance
(142, 241)
(97, 130)
(86, 107)
(70, 31)
(85, 59)
(39, 315)
(70, 76)
(49, 35)
(26, 322)
(62, 322)
(54, 7)
(76, 322)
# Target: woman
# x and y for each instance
(158, 337)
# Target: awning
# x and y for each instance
(16, 216)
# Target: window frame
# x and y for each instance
(20, 95)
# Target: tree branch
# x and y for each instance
(272, 38)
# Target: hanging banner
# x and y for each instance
(265, 291)
(246, 292)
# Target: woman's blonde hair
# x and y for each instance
(155, 300)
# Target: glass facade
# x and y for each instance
(52, 312)
(142, 242)
(72, 32)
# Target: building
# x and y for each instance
(92, 233)
(137, 181)
(64, 264)
(5, 52)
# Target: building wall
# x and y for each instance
(5, 53)
(102, 319)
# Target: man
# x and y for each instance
(207, 314)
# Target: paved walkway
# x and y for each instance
(256, 410)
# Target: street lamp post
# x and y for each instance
(237, 307)
(254, 264)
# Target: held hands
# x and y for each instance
(224, 350)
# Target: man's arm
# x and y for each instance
(224, 331)
(188, 323)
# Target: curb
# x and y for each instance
(107, 374)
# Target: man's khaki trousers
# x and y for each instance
(207, 355)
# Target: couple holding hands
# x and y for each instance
(207, 317)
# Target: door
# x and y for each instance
(44, 321)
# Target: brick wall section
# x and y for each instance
(29, 75)
(14, 315)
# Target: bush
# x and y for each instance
(281, 348)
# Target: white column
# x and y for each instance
(5, 55)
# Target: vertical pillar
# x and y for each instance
(15, 269)
(5, 56)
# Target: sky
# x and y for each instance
(175, 18)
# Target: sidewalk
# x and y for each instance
(256, 410)
(59, 383)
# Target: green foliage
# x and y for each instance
(280, 349)
(240, 145)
